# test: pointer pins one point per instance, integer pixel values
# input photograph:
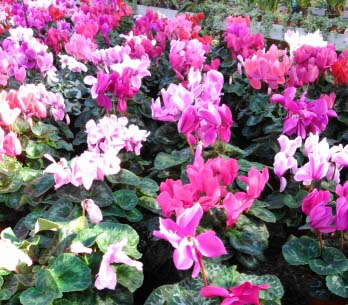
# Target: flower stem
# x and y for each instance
(201, 264)
(342, 240)
(320, 240)
(192, 149)
(25, 14)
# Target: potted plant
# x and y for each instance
(318, 8)
(345, 10)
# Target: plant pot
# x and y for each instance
(333, 301)
(318, 11)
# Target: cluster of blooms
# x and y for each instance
(5, 16)
(196, 108)
(218, 174)
(56, 38)
(309, 63)
(141, 45)
(112, 134)
(187, 54)
(321, 214)
(22, 51)
(80, 47)
(296, 40)
(161, 29)
(29, 101)
(104, 140)
(33, 15)
(305, 116)
(270, 67)
(323, 161)
(100, 17)
(238, 37)
(125, 80)
(190, 249)
(340, 69)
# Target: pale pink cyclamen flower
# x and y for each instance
(60, 170)
(189, 248)
(90, 166)
(7, 115)
(12, 145)
(11, 256)
(112, 134)
(244, 294)
(284, 159)
(80, 47)
(107, 277)
(93, 211)
(319, 164)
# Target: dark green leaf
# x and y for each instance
(70, 273)
(126, 199)
(333, 261)
(148, 187)
(263, 214)
(300, 251)
(129, 277)
(125, 177)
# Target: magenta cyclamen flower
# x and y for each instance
(305, 116)
(106, 277)
(244, 294)
(320, 214)
(342, 207)
(190, 248)
(238, 37)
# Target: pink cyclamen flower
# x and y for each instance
(271, 67)
(106, 277)
(190, 248)
(12, 145)
(11, 256)
(255, 181)
(235, 205)
(244, 294)
(94, 212)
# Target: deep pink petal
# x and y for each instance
(210, 245)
